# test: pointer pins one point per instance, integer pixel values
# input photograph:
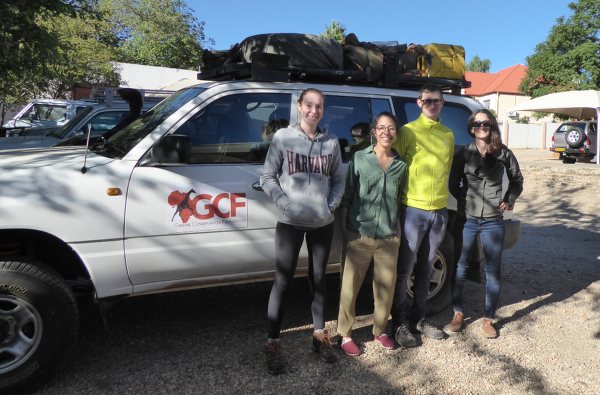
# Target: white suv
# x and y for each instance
(171, 202)
(44, 112)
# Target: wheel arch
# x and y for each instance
(44, 247)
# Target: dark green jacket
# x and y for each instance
(373, 195)
(476, 182)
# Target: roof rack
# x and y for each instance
(110, 95)
(276, 68)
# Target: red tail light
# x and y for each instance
(587, 141)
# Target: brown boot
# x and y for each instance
(488, 329)
(457, 322)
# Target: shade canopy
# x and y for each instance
(576, 104)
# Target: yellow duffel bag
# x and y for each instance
(443, 61)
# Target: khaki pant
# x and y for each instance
(360, 251)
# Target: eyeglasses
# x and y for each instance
(382, 129)
(429, 102)
(478, 124)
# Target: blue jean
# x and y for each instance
(422, 234)
(491, 232)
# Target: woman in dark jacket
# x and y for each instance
(476, 182)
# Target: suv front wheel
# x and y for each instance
(38, 323)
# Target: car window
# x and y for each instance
(454, 116)
(106, 120)
(46, 112)
(592, 127)
(229, 130)
(380, 105)
(66, 129)
(343, 112)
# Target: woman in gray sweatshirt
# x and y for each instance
(303, 175)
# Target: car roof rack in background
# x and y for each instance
(275, 68)
(108, 96)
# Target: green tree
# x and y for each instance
(27, 47)
(479, 65)
(569, 58)
(334, 31)
(88, 52)
(157, 32)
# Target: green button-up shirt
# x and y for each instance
(373, 195)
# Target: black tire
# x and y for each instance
(440, 288)
(575, 137)
(569, 160)
(39, 315)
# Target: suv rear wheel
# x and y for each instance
(575, 137)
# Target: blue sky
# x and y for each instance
(506, 32)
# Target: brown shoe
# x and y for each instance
(488, 329)
(457, 322)
(322, 345)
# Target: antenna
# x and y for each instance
(87, 145)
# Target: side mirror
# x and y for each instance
(172, 149)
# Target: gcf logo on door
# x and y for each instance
(201, 207)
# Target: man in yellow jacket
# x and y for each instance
(427, 146)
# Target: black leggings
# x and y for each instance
(288, 241)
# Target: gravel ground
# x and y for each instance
(210, 340)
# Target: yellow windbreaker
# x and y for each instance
(428, 148)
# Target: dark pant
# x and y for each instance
(288, 241)
(492, 239)
(422, 234)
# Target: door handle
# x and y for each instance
(256, 186)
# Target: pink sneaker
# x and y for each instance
(350, 348)
(385, 341)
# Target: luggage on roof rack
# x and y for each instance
(289, 57)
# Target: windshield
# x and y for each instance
(66, 128)
(121, 143)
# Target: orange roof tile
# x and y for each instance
(505, 81)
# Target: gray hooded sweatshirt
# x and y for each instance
(305, 174)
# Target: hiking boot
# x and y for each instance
(385, 341)
(404, 337)
(350, 347)
(457, 322)
(429, 330)
(322, 345)
(488, 329)
(275, 356)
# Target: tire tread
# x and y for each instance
(55, 281)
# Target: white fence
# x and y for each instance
(529, 136)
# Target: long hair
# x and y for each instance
(495, 136)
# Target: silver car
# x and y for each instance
(575, 140)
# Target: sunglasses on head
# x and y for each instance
(478, 124)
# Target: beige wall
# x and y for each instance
(502, 102)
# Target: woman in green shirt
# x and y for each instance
(371, 223)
